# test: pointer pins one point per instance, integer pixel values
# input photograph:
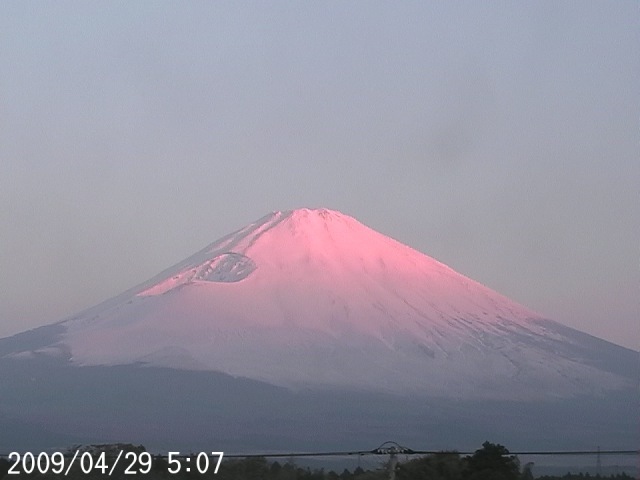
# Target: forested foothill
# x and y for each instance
(491, 462)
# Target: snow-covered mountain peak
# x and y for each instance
(312, 297)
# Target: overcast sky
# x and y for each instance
(501, 138)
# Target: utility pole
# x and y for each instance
(392, 449)
(393, 461)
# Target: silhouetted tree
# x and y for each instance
(492, 462)
(4, 467)
(440, 466)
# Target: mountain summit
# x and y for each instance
(315, 299)
(308, 330)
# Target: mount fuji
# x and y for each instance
(304, 317)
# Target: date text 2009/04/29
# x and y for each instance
(133, 463)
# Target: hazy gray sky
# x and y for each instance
(501, 138)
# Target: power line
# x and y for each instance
(404, 451)
(431, 452)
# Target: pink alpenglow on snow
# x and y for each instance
(315, 299)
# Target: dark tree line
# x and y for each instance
(491, 462)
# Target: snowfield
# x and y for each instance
(308, 330)
(315, 299)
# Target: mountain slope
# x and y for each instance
(315, 299)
